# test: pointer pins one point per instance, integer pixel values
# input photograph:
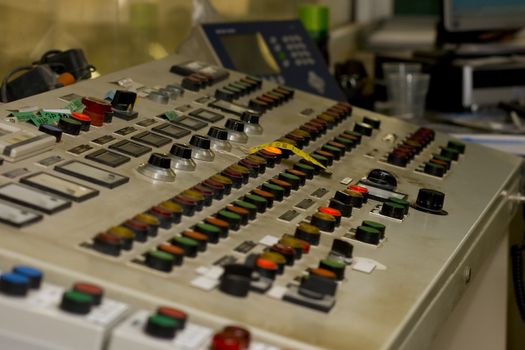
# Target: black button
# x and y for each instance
(393, 210)
(171, 130)
(70, 126)
(430, 200)
(374, 122)
(190, 123)
(151, 139)
(108, 158)
(363, 129)
(130, 148)
(206, 115)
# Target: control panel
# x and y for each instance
(279, 51)
(179, 205)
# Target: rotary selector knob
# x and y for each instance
(236, 131)
(251, 123)
(70, 126)
(201, 148)
(382, 178)
(219, 139)
(181, 157)
(51, 130)
(430, 201)
(158, 168)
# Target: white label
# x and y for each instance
(41, 201)
(364, 266)
(15, 215)
(346, 181)
(204, 283)
(269, 240)
(277, 292)
(193, 337)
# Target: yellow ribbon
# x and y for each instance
(287, 146)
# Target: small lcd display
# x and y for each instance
(250, 53)
(108, 158)
(190, 123)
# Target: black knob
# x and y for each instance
(76, 302)
(236, 280)
(342, 248)
(218, 133)
(160, 160)
(363, 129)
(368, 234)
(181, 151)
(325, 222)
(430, 200)
(51, 130)
(200, 141)
(251, 118)
(14, 284)
(373, 122)
(70, 126)
(235, 125)
(393, 210)
(458, 146)
(382, 178)
(434, 169)
(450, 153)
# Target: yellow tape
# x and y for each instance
(289, 147)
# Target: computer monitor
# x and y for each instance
(483, 15)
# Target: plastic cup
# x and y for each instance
(400, 68)
(407, 94)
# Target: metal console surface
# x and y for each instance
(419, 266)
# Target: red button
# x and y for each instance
(330, 211)
(359, 189)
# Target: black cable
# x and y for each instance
(3, 88)
(517, 277)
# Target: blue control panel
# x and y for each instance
(280, 51)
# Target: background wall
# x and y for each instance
(116, 34)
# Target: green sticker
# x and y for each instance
(23, 116)
(46, 118)
(171, 115)
(75, 105)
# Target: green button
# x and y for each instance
(333, 264)
(370, 230)
(255, 198)
(443, 158)
(399, 201)
(161, 255)
(305, 166)
(208, 228)
(186, 241)
(353, 133)
(346, 142)
(273, 187)
(395, 205)
(290, 176)
(332, 148)
(163, 321)
(319, 157)
(374, 224)
(245, 205)
(78, 297)
(230, 215)
(232, 88)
